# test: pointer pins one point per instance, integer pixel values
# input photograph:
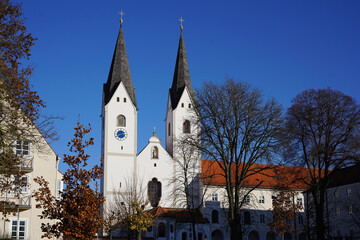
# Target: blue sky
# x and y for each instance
(280, 46)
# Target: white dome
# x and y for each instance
(154, 139)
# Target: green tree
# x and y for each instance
(77, 212)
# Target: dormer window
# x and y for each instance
(121, 121)
(186, 126)
(155, 153)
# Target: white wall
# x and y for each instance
(161, 168)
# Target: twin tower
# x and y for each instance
(154, 169)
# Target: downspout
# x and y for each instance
(57, 167)
(327, 213)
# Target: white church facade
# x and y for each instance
(157, 167)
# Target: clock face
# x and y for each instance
(120, 134)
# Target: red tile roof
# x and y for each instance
(181, 215)
(259, 175)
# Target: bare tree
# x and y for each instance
(323, 126)
(238, 129)
(189, 190)
(126, 210)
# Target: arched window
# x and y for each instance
(155, 152)
(171, 228)
(186, 126)
(121, 121)
(161, 230)
(215, 216)
(154, 192)
(247, 218)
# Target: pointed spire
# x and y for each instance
(181, 75)
(119, 71)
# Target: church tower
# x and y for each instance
(119, 123)
(180, 114)
(182, 123)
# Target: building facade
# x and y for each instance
(37, 159)
(342, 208)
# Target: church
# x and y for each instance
(155, 168)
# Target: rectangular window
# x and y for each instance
(59, 188)
(214, 197)
(22, 148)
(21, 184)
(299, 201)
(21, 231)
(25, 184)
(247, 199)
(262, 199)
(262, 218)
(336, 193)
(350, 209)
(337, 211)
(348, 191)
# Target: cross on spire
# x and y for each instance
(181, 21)
(121, 14)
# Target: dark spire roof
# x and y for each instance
(181, 76)
(119, 71)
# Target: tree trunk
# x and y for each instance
(194, 230)
(235, 231)
(320, 226)
(138, 235)
(319, 214)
